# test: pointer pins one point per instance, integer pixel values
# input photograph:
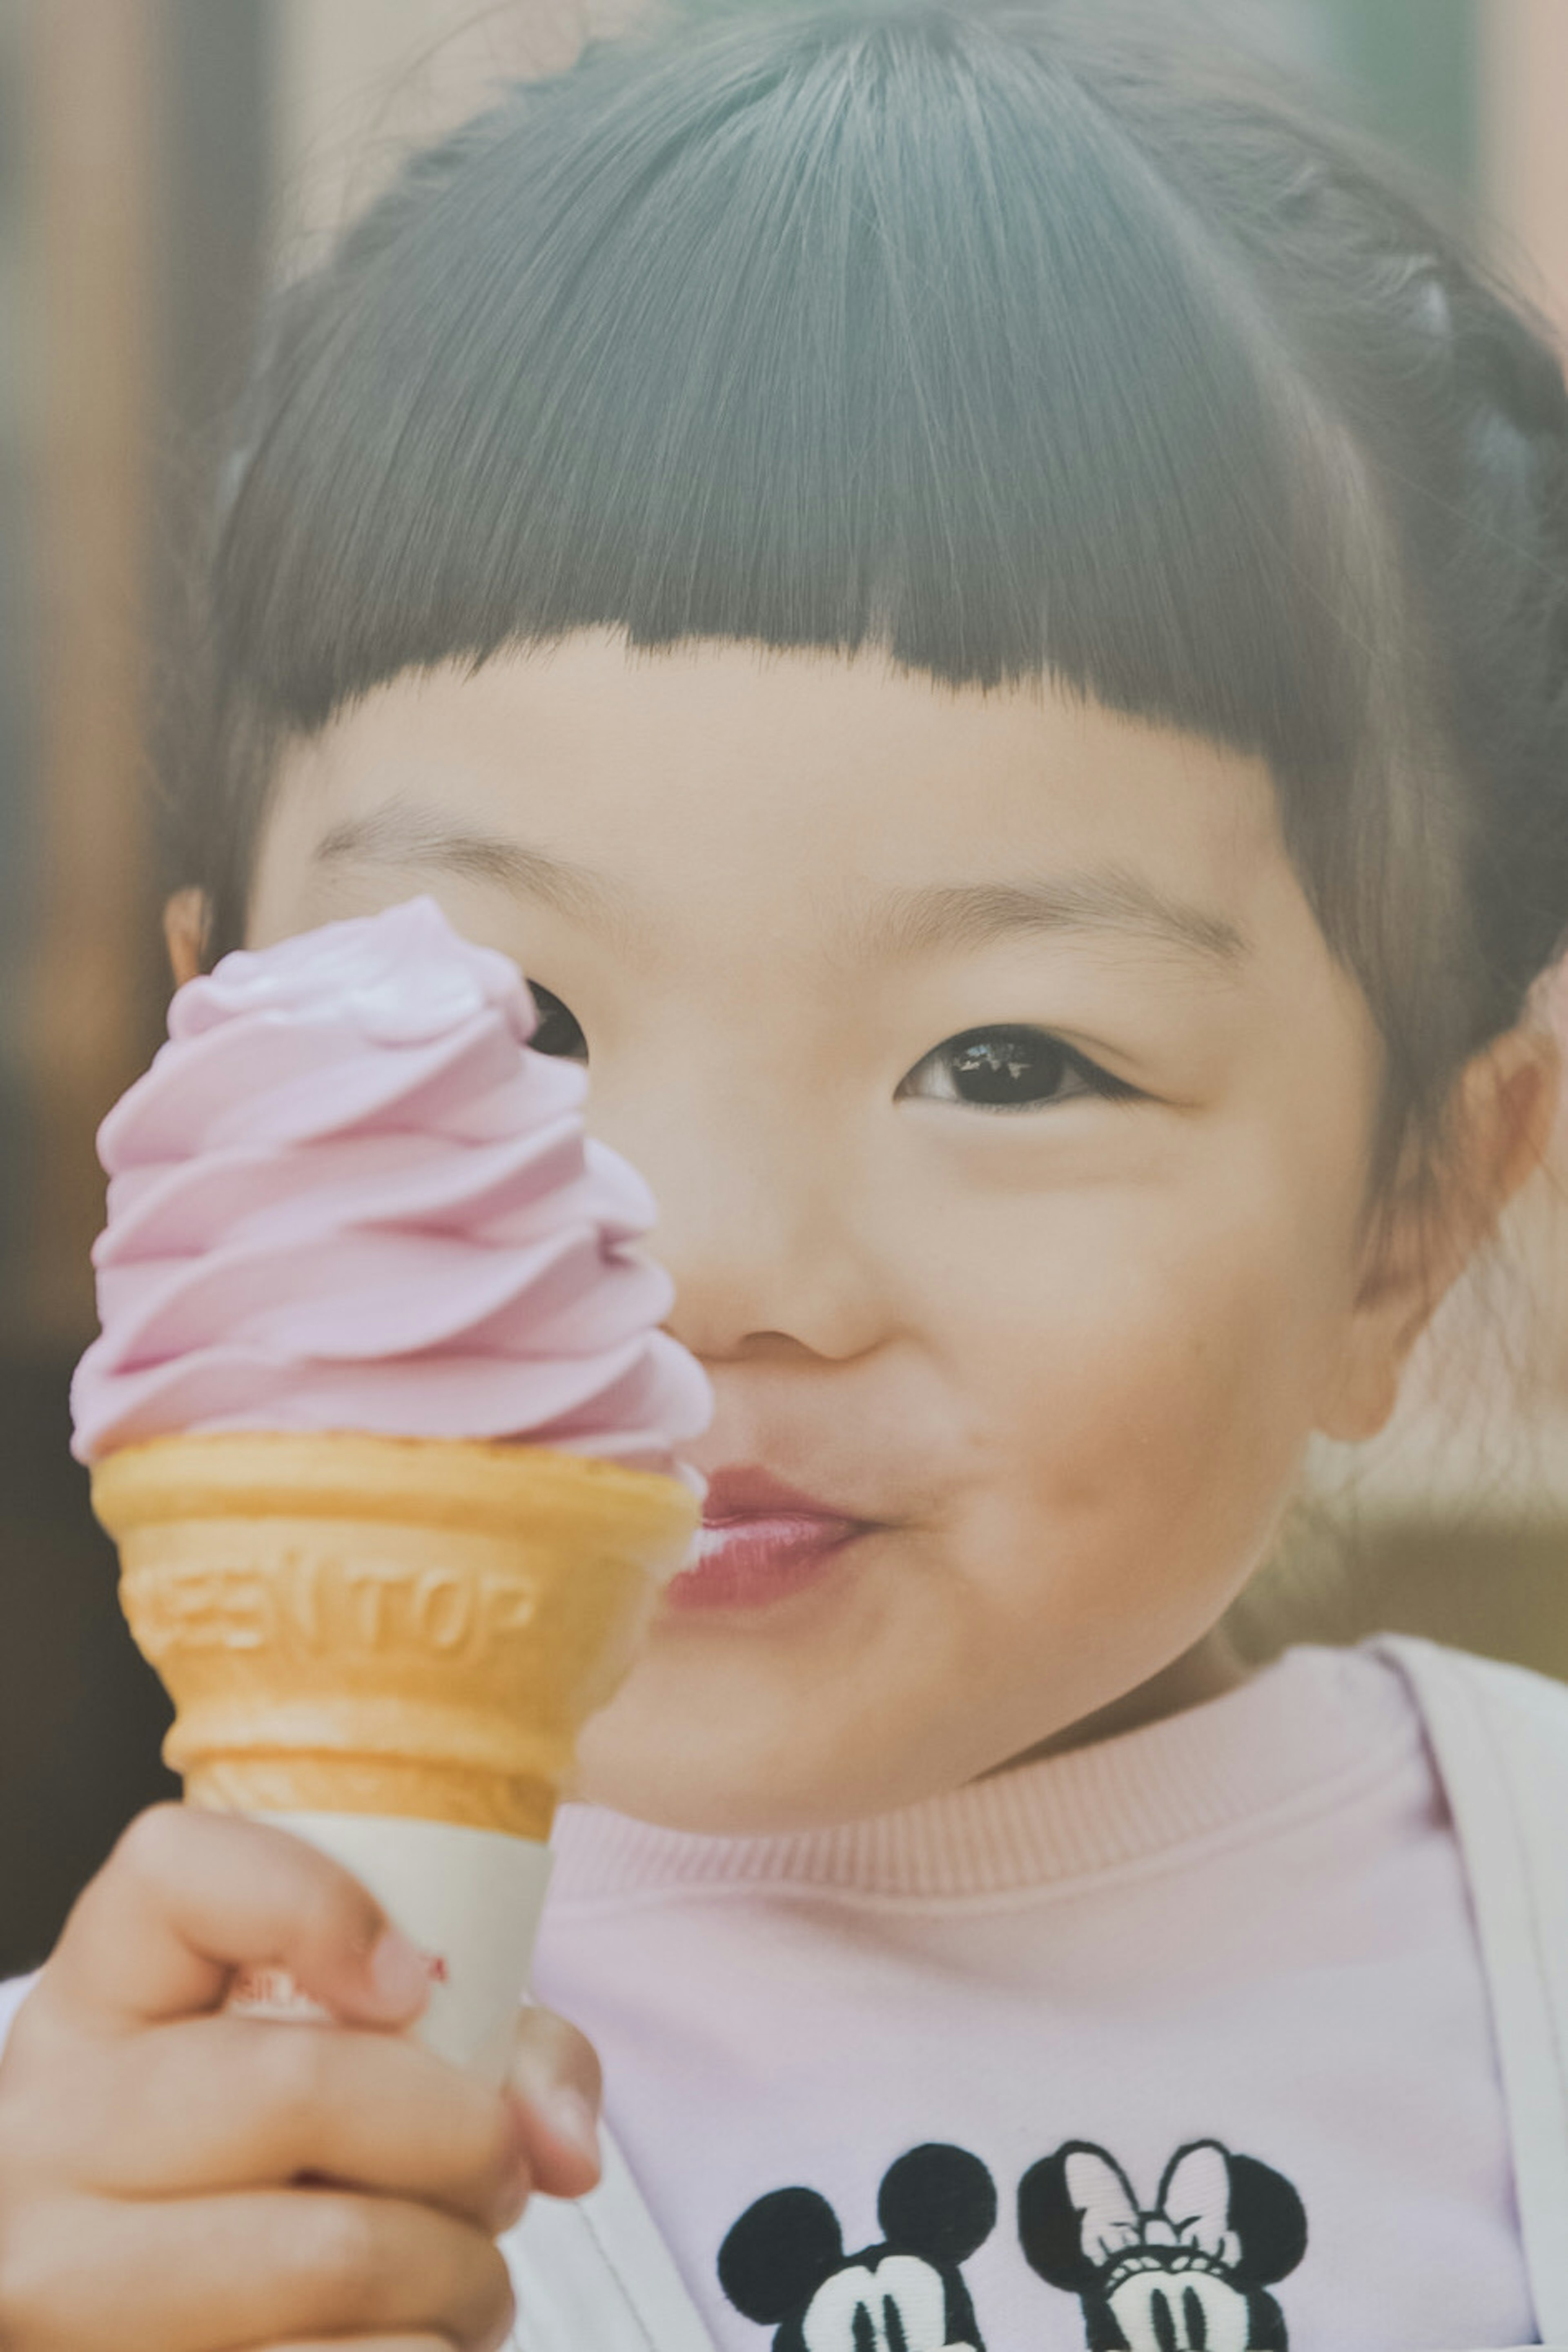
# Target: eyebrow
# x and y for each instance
(402, 834)
(929, 921)
(1109, 900)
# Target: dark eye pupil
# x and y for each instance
(1007, 1065)
(559, 1031)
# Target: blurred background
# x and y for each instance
(162, 162)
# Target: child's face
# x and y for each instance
(1058, 1360)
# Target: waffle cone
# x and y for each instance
(357, 1624)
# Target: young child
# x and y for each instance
(981, 602)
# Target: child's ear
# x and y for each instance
(1500, 1122)
(186, 917)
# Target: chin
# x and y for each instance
(734, 1770)
(713, 1797)
(658, 1764)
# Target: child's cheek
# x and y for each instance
(1140, 1386)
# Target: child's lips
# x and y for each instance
(761, 1542)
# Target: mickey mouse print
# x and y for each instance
(1190, 2272)
(783, 2263)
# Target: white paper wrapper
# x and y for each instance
(469, 1899)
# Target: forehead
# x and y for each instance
(802, 776)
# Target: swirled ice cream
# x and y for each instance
(348, 1196)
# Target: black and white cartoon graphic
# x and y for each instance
(1189, 2274)
(783, 2263)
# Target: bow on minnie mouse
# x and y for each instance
(1188, 2275)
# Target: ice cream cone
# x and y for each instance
(410, 1628)
(348, 1199)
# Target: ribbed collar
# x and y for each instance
(1315, 1723)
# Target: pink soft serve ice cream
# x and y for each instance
(347, 1195)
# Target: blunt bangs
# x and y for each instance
(857, 331)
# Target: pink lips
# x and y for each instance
(761, 1542)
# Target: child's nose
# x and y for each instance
(759, 1228)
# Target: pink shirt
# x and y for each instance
(1183, 2035)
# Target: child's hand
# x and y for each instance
(153, 2149)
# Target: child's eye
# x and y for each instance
(559, 1032)
(1012, 1068)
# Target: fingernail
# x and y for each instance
(399, 1972)
(571, 2118)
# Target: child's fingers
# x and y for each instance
(189, 1897)
(557, 2083)
(286, 2267)
(226, 2103)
